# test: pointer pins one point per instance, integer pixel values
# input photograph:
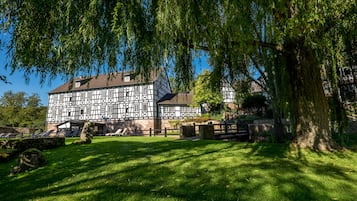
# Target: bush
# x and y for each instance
(255, 102)
(7, 154)
(175, 123)
(198, 119)
(10, 148)
(28, 160)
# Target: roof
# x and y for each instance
(176, 99)
(69, 123)
(104, 81)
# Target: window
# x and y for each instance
(144, 90)
(166, 109)
(69, 114)
(145, 107)
(89, 95)
(120, 94)
(96, 95)
(111, 93)
(182, 109)
(95, 109)
(102, 109)
(127, 78)
(127, 94)
(136, 108)
(70, 99)
(77, 84)
(115, 111)
(126, 110)
(82, 111)
(137, 90)
(104, 93)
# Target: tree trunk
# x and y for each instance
(279, 127)
(309, 106)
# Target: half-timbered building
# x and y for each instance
(122, 100)
(118, 100)
(177, 107)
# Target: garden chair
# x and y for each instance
(124, 132)
(116, 133)
(46, 134)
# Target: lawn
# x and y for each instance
(157, 168)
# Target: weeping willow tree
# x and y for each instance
(291, 40)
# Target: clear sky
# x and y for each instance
(18, 82)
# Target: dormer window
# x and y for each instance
(129, 77)
(77, 84)
(80, 82)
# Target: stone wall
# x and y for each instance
(134, 127)
(15, 146)
(171, 123)
(16, 130)
(39, 143)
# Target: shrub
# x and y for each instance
(28, 160)
(10, 148)
(7, 154)
(199, 119)
(255, 102)
(175, 123)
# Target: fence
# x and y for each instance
(164, 132)
(220, 131)
(226, 131)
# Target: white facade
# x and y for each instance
(178, 112)
(228, 93)
(119, 101)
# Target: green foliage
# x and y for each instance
(290, 40)
(255, 102)
(175, 123)
(204, 93)
(20, 145)
(178, 86)
(19, 110)
(242, 88)
(7, 154)
(142, 168)
(204, 118)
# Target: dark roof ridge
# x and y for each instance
(180, 98)
(114, 79)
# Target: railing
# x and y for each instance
(226, 129)
(164, 132)
(221, 131)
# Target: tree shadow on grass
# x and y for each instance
(177, 170)
(72, 160)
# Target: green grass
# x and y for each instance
(143, 168)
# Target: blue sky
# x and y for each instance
(18, 82)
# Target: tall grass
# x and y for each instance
(143, 168)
